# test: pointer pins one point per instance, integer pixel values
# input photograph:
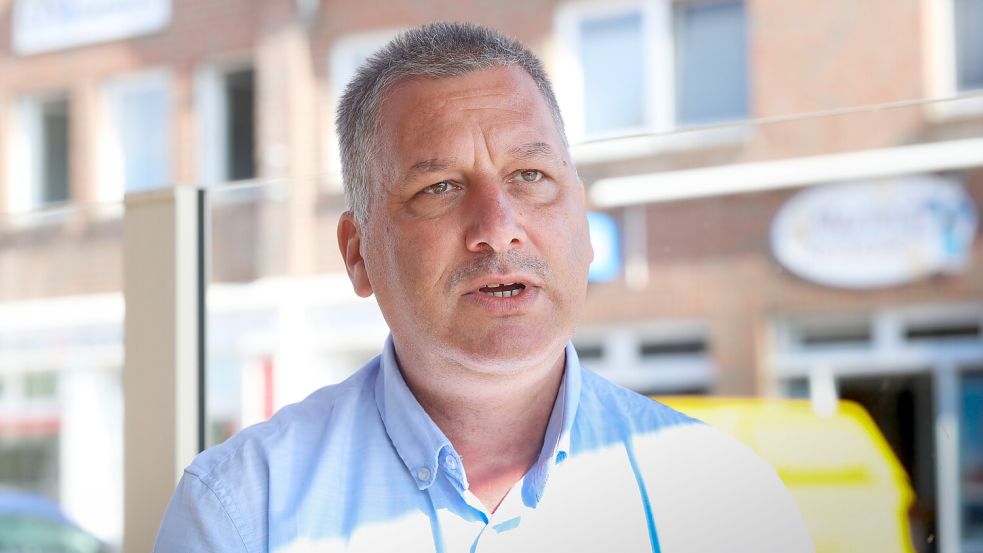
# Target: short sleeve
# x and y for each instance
(197, 520)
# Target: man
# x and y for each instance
(476, 429)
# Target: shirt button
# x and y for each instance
(423, 474)
(450, 462)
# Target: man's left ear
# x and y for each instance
(350, 244)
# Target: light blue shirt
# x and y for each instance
(360, 466)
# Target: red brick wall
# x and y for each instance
(709, 258)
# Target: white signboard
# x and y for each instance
(866, 235)
(46, 25)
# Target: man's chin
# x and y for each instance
(508, 353)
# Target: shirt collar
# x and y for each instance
(556, 444)
(418, 441)
(421, 444)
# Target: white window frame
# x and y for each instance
(24, 156)
(940, 65)
(111, 165)
(888, 352)
(212, 120)
(659, 79)
(621, 360)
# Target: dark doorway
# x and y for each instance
(903, 408)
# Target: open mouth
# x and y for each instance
(502, 290)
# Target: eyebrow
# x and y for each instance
(432, 165)
(522, 152)
(531, 150)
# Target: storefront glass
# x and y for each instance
(61, 357)
(971, 461)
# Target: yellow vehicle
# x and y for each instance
(850, 488)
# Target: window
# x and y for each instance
(613, 92)
(666, 357)
(685, 346)
(137, 149)
(829, 332)
(590, 352)
(971, 458)
(40, 157)
(849, 334)
(30, 462)
(40, 385)
(711, 61)
(53, 154)
(227, 96)
(944, 330)
(650, 66)
(240, 125)
(968, 18)
(798, 388)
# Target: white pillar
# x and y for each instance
(823, 392)
(636, 247)
(947, 458)
(160, 374)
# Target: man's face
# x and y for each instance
(476, 244)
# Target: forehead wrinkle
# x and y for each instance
(522, 113)
(477, 100)
(477, 93)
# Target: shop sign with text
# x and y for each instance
(46, 25)
(873, 234)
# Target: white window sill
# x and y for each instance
(248, 191)
(60, 214)
(967, 105)
(681, 140)
(664, 376)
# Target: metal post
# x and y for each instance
(161, 375)
(947, 457)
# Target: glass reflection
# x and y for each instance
(61, 356)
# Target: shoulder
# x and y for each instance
(606, 403)
(228, 494)
(291, 432)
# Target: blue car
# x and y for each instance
(33, 523)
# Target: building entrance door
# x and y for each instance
(902, 406)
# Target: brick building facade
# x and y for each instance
(747, 104)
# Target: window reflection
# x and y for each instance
(971, 460)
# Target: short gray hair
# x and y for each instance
(436, 50)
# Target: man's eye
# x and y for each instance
(438, 188)
(530, 175)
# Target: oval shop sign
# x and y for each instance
(867, 235)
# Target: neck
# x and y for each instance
(495, 421)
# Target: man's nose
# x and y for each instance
(495, 220)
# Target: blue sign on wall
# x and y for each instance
(607, 248)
